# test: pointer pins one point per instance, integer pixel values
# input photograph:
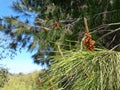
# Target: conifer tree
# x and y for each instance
(60, 23)
(57, 33)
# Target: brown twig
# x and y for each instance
(86, 25)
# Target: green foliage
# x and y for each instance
(98, 70)
(70, 69)
(3, 76)
(103, 18)
(22, 82)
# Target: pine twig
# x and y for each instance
(87, 30)
(86, 25)
(58, 45)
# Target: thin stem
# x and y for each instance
(86, 25)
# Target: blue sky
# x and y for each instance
(5, 7)
(23, 61)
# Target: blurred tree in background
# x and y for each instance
(42, 34)
(103, 18)
(3, 76)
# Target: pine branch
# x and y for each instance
(109, 33)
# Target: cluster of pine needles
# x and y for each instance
(83, 69)
(98, 70)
